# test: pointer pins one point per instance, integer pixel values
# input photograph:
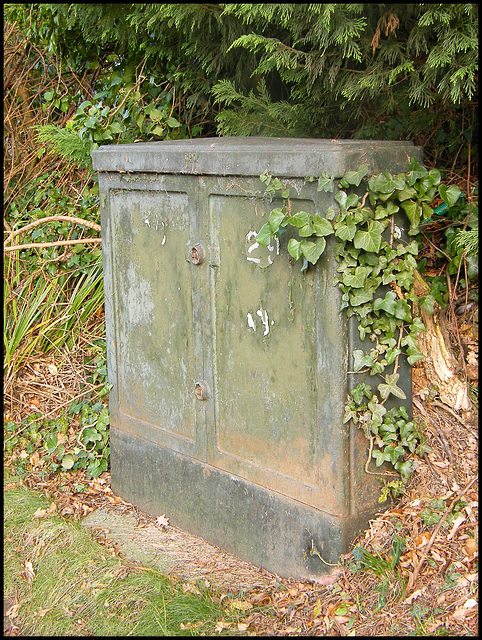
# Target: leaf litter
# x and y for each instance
(440, 570)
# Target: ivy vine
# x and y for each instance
(374, 256)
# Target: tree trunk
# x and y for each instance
(440, 364)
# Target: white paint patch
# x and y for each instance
(163, 241)
(251, 323)
(254, 246)
(146, 221)
(263, 314)
(257, 260)
(397, 233)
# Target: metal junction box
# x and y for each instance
(229, 365)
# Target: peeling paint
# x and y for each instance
(262, 256)
(263, 314)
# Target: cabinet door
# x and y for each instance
(278, 353)
(151, 225)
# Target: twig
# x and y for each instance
(414, 575)
(436, 403)
(391, 475)
(59, 243)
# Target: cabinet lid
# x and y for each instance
(251, 156)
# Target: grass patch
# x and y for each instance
(66, 583)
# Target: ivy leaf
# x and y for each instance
(264, 235)
(325, 182)
(322, 226)
(406, 194)
(346, 231)
(380, 457)
(275, 219)
(414, 214)
(68, 461)
(378, 411)
(357, 279)
(394, 453)
(414, 355)
(386, 183)
(330, 213)
(360, 390)
(172, 122)
(294, 248)
(350, 414)
(352, 200)
(391, 354)
(354, 177)
(449, 195)
(405, 469)
(341, 197)
(385, 212)
(299, 219)
(390, 387)
(306, 231)
(360, 296)
(369, 240)
(313, 250)
(360, 360)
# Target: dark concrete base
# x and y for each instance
(267, 529)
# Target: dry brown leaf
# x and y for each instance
(471, 547)
(413, 596)
(29, 572)
(457, 522)
(242, 605)
(12, 612)
(162, 521)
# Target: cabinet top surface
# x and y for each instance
(291, 157)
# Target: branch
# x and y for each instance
(35, 223)
(60, 243)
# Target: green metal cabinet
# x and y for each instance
(229, 365)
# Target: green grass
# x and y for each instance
(79, 588)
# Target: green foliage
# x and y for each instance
(54, 444)
(373, 253)
(376, 562)
(432, 513)
(320, 70)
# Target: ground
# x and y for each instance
(412, 572)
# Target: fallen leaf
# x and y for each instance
(45, 513)
(13, 611)
(242, 626)
(457, 522)
(162, 521)
(29, 572)
(413, 596)
(242, 605)
(53, 369)
(342, 619)
(471, 547)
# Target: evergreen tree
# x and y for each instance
(389, 71)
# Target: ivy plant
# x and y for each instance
(375, 275)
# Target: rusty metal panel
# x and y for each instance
(230, 367)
